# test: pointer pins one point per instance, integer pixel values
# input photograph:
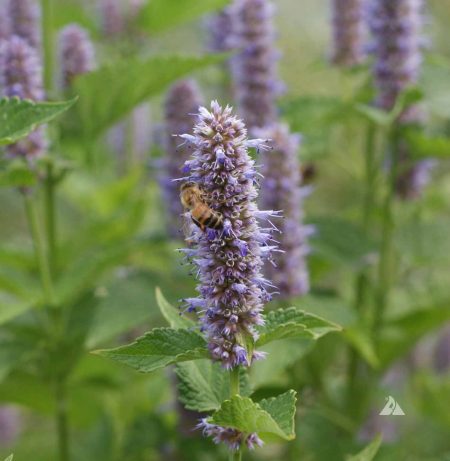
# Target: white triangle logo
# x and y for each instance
(391, 408)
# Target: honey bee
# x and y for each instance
(193, 199)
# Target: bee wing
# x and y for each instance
(188, 226)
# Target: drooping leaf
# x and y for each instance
(270, 418)
(170, 313)
(360, 339)
(19, 117)
(204, 385)
(109, 93)
(341, 241)
(293, 323)
(399, 334)
(159, 348)
(421, 145)
(125, 303)
(369, 452)
(159, 15)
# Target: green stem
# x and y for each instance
(50, 218)
(370, 172)
(234, 382)
(385, 266)
(234, 390)
(48, 42)
(41, 257)
(62, 419)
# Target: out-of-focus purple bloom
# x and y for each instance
(183, 100)
(233, 438)
(442, 352)
(25, 20)
(21, 76)
(76, 53)
(348, 32)
(397, 41)
(112, 17)
(4, 22)
(396, 27)
(220, 27)
(254, 67)
(10, 425)
(281, 190)
(411, 182)
(229, 260)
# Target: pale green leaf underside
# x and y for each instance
(9, 458)
(111, 92)
(203, 385)
(271, 417)
(159, 348)
(369, 452)
(171, 313)
(293, 323)
(19, 117)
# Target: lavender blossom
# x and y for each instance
(229, 260)
(76, 53)
(442, 352)
(397, 41)
(281, 190)
(254, 68)
(4, 22)
(182, 101)
(396, 28)
(348, 33)
(21, 76)
(25, 20)
(233, 438)
(10, 425)
(112, 17)
(220, 27)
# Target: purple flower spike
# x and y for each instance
(220, 28)
(254, 68)
(348, 33)
(281, 190)
(25, 20)
(233, 438)
(229, 259)
(112, 17)
(397, 41)
(10, 425)
(396, 27)
(76, 53)
(183, 100)
(21, 76)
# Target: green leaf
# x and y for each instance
(401, 333)
(420, 145)
(369, 452)
(21, 116)
(159, 15)
(112, 317)
(16, 174)
(341, 241)
(159, 348)
(9, 458)
(271, 417)
(171, 313)
(109, 93)
(204, 385)
(360, 339)
(293, 323)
